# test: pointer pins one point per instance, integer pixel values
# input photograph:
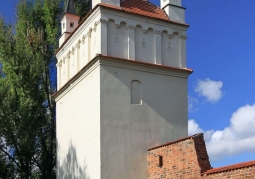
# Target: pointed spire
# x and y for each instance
(70, 9)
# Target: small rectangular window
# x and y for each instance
(71, 24)
(63, 25)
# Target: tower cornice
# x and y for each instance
(124, 64)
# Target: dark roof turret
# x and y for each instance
(70, 9)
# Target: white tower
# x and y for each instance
(122, 89)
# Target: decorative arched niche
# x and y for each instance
(170, 51)
(117, 39)
(136, 92)
(144, 44)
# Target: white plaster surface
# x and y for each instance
(125, 36)
(144, 45)
(63, 37)
(129, 130)
(175, 13)
(108, 136)
(163, 3)
(78, 130)
(117, 40)
(173, 9)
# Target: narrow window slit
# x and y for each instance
(160, 163)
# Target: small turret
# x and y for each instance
(69, 21)
(173, 9)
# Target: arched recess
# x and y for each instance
(90, 47)
(136, 92)
(117, 43)
(170, 49)
(175, 61)
(144, 44)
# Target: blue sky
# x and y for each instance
(221, 51)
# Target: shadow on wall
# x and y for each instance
(69, 167)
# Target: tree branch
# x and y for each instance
(6, 153)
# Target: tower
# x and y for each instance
(69, 21)
(122, 89)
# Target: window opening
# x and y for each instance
(71, 24)
(160, 162)
(136, 92)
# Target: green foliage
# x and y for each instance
(27, 82)
(27, 112)
(6, 168)
(82, 7)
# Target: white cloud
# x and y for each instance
(210, 89)
(191, 104)
(193, 127)
(238, 137)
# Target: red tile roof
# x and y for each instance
(230, 167)
(142, 7)
(139, 7)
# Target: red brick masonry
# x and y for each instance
(188, 158)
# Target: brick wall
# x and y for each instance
(188, 158)
(244, 170)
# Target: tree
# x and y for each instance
(27, 112)
(82, 7)
(6, 169)
(27, 82)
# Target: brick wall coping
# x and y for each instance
(176, 141)
(229, 167)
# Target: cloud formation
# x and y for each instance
(209, 89)
(191, 104)
(238, 137)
